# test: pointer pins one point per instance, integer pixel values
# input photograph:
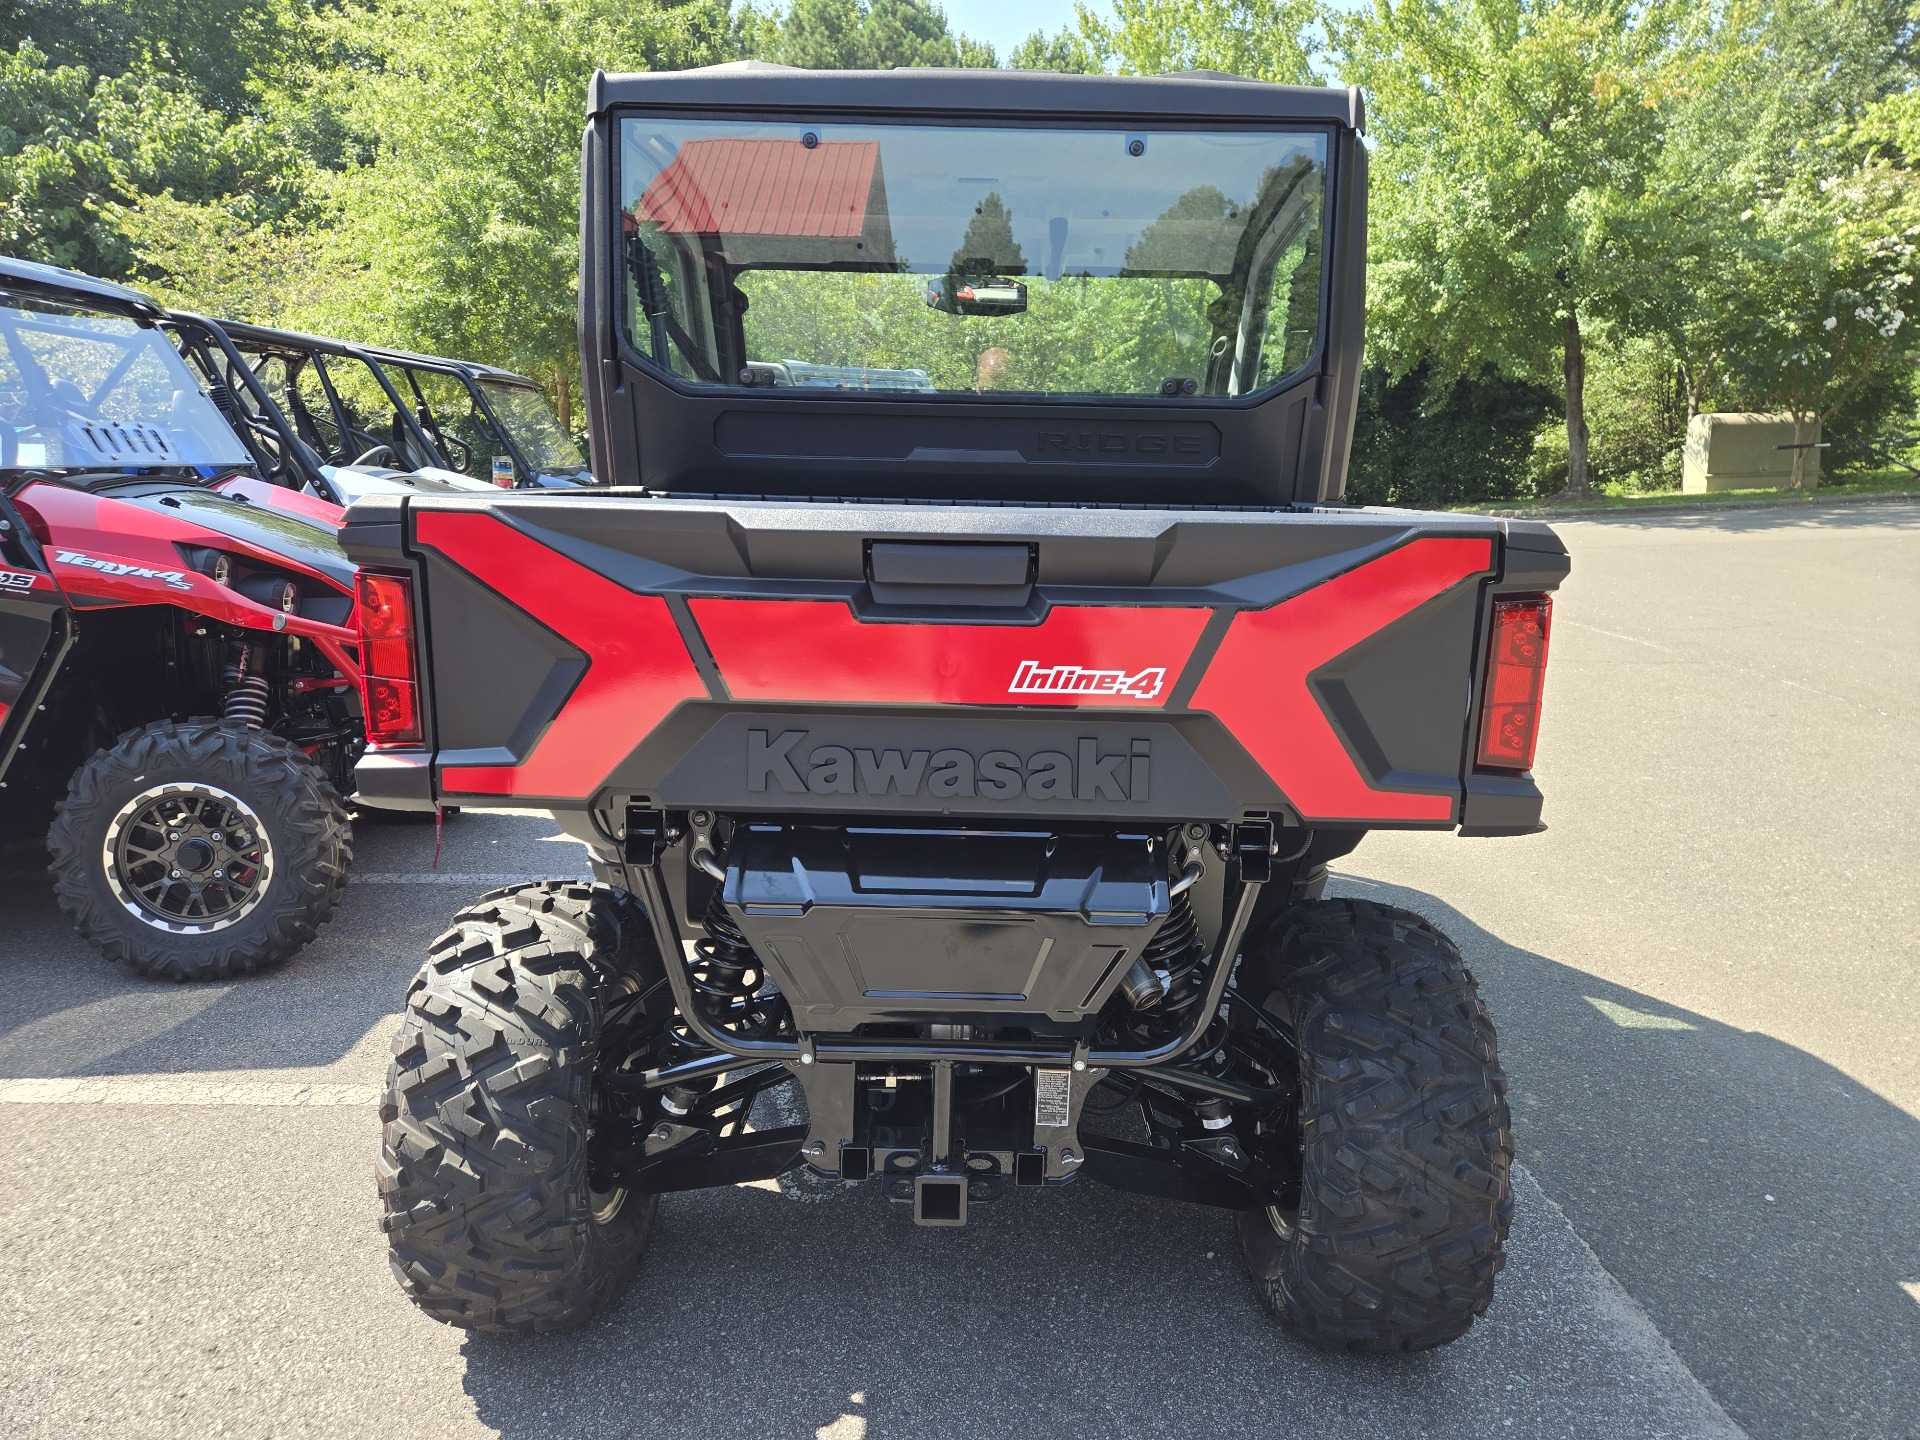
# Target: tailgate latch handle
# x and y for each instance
(916, 572)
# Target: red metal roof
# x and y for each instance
(729, 186)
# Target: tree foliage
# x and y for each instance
(869, 35)
(460, 233)
(1512, 137)
(1424, 438)
(1706, 206)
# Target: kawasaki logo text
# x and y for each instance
(1033, 678)
(787, 763)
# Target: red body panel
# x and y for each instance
(96, 530)
(638, 668)
(1257, 682)
(817, 650)
(279, 497)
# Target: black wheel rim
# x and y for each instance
(188, 858)
(1263, 1043)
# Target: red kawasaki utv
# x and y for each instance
(178, 679)
(961, 696)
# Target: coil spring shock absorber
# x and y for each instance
(727, 976)
(1175, 953)
(1176, 956)
(246, 700)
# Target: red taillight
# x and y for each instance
(1516, 667)
(390, 686)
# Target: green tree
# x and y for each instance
(1511, 136)
(1272, 40)
(867, 35)
(988, 246)
(53, 168)
(1425, 442)
(77, 154)
(460, 235)
(1067, 52)
(220, 48)
(1829, 274)
(1762, 92)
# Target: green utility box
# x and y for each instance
(1744, 452)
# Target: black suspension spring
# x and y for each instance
(246, 700)
(728, 978)
(1178, 952)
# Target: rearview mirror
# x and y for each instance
(977, 295)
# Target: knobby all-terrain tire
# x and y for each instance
(309, 838)
(1406, 1143)
(491, 1220)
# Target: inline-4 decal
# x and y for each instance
(820, 651)
(1033, 678)
(1259, 683)
(173, 579)
(638, 668)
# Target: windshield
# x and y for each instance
(548, 448)
(444, 406)
(83, 389)
(925, 258)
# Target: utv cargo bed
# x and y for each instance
(1319, 666)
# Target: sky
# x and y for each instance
(1003, 24)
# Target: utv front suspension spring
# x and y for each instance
(246, 700)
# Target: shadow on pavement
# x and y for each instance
(1078, 1313)
(1762, 1206)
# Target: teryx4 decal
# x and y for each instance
(174, 579)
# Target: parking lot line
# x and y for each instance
(439, 877)
(170, 1090)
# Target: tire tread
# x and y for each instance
(1406, 1195)
(311, 864)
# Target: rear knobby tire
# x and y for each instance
(492, 1223)
(298, 848)
(1406, 1147)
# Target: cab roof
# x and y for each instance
(1192, 95)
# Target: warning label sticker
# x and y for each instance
(1052, 1098)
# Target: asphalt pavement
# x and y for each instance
(1705, 985)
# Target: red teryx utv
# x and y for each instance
(178, 675)
(961, 695)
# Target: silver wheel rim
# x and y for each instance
(188, 858)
